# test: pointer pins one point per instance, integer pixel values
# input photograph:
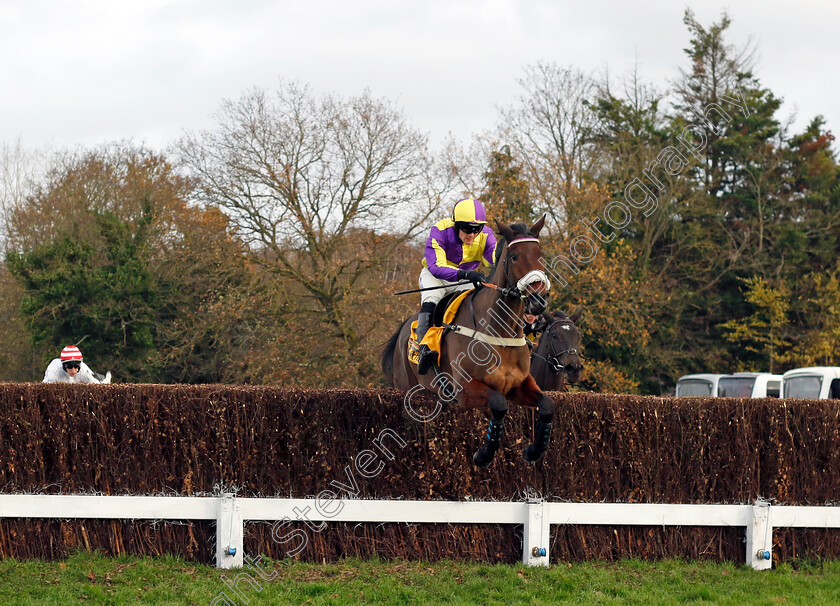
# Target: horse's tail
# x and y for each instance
(387, 358)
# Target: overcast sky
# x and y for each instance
(83, 72)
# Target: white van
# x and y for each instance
(703, 384)
(812, 383)
(750, 385)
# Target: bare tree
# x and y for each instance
(311, 182)
(20, 170)
(548, 133)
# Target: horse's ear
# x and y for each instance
(505, 230)
(577, 314)
(536, 227)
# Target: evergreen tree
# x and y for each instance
(725, 127)
(763, 332)
(107, 251)
(506, 194)
(98, 290)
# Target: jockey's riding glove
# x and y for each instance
(476, 277)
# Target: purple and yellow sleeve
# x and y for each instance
(436, 259)
(490, 246)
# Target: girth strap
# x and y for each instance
(485, 338)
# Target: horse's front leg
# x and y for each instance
(474, 395)
(528, 394)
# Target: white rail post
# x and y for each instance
(535, 534)
(229, 531)
(760, 537)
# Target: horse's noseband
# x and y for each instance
(535, 275)
(553, 360)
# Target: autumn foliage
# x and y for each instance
(265, 250)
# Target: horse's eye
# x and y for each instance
(513, 257)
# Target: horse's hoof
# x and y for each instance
(482, 460)
(532, 455)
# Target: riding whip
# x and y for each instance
(405, 292)
(487, 284)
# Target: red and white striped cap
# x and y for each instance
(71, 352)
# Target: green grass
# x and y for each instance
(94, 579)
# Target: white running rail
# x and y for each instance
(536, 516)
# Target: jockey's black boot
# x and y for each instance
(534, 452)
(426, 357)
(484, 455)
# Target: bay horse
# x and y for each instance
(484, 361)
(556, 359)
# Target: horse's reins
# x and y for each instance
(535, 275)
(553, 360)
(510, 291)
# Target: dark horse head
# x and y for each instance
(556, 360)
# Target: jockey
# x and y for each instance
(69, 368)
(533, 327)
(455, 249)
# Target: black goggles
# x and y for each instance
(469, 228)
(72, 364)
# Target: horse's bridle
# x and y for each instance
(535, 275)
(515, 291)
(553, 361)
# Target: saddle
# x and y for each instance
(442, 307)
(444, 314)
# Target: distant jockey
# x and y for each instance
(455, 249)
(69, 368)
(534, 325)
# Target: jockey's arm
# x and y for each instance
(437, 262)
(86, 375)
(54, 372)
(489, 249)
